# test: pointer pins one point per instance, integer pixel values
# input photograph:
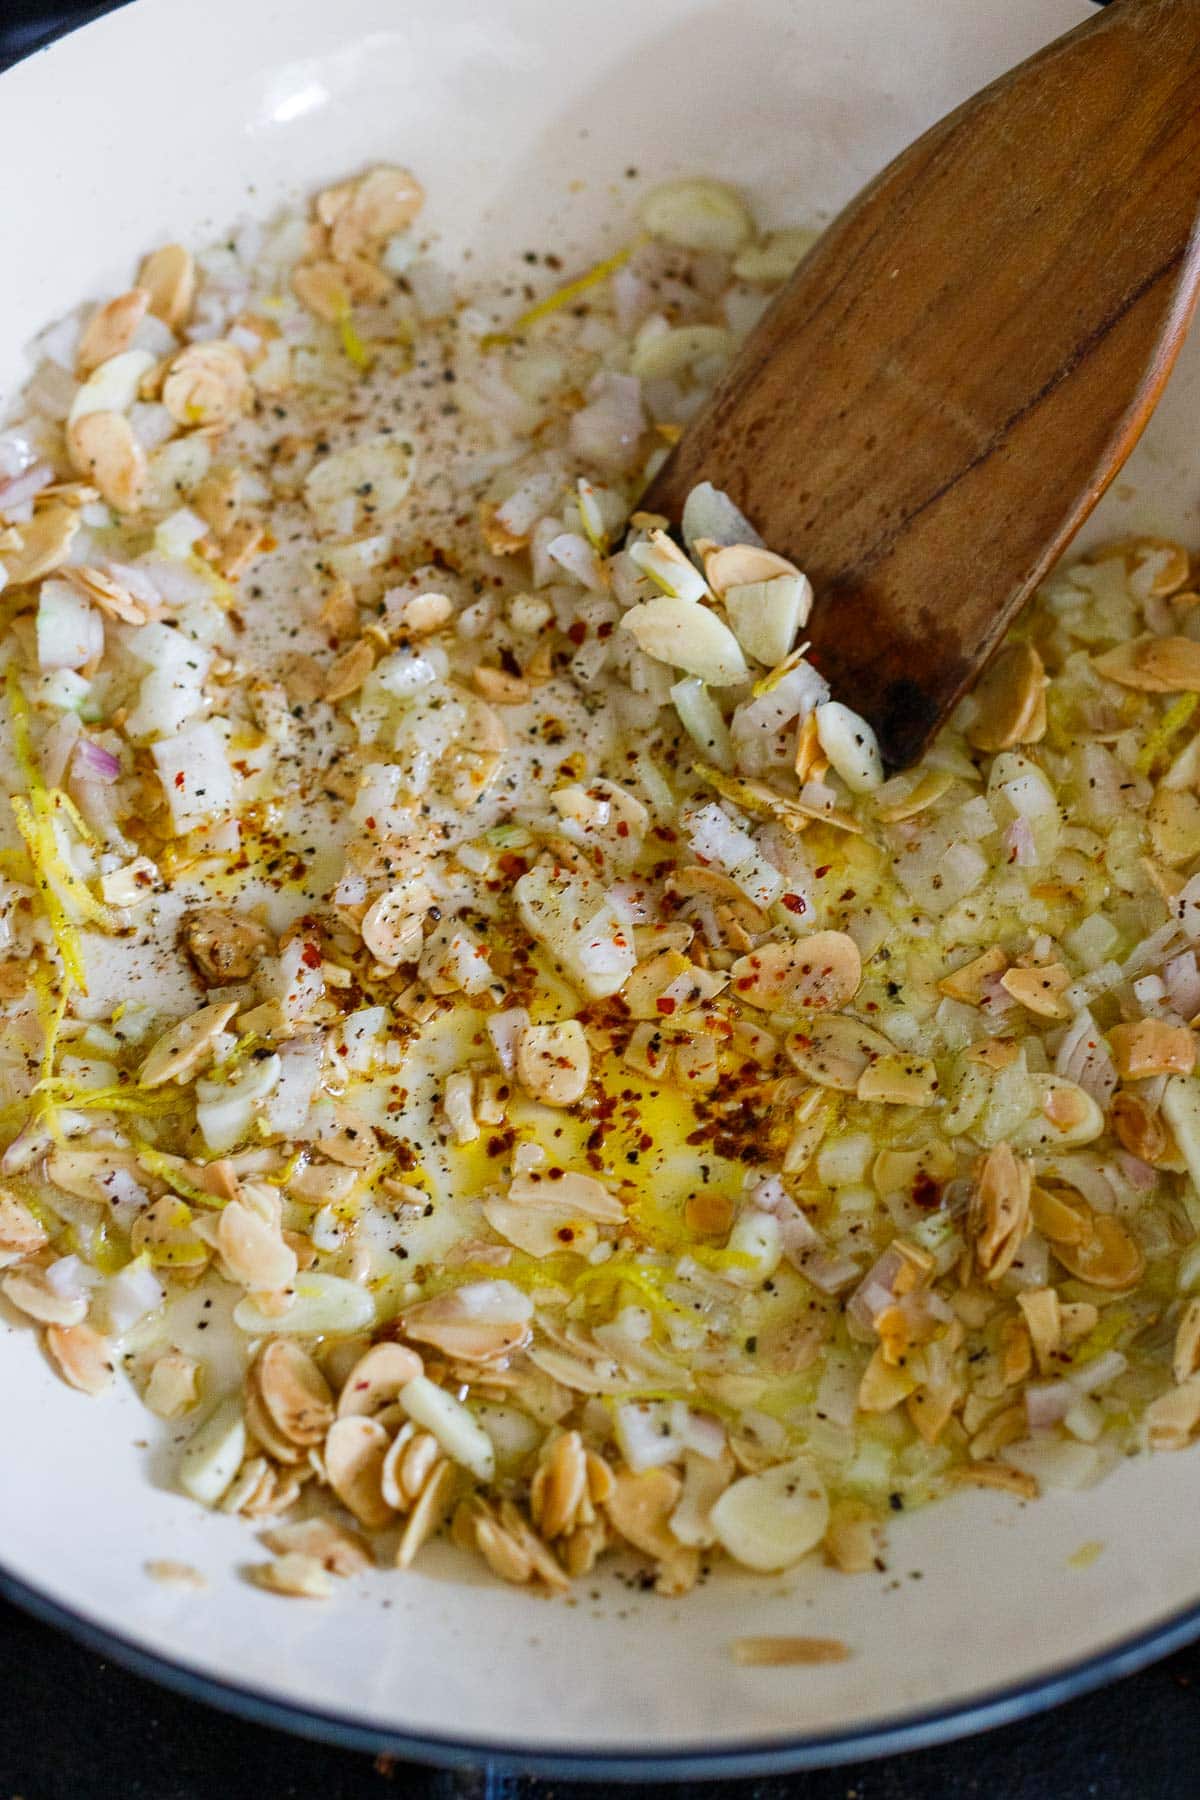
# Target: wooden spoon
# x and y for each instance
(956, 371)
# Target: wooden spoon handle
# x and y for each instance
(940, 395)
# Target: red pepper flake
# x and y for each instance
(665, 1005)
(794, 902)
(577, 632)
(822, 871)
(310, 956)
(179, 779)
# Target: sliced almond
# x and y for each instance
(1107, 1258)
(744, 565)
(111, 329)
(355, 1448)
(1151, 1047)
(925, 792)
(173, 1385)
(29, 1290)
(1173, 1419)
(178, 1052)
(1155, 665)
(339, 1551)
(207, 385)
(430, 1511)
(293, 1390)
(1010, 700)
(84, 1358)
(788, 1652)
(42, 544)
(554, 1062)
(299, 1576)
(836, 1051)
(820, 973)
(966, 983)
(103, 448)
(376, 1379)
(899, 1079)
(254, 1251)
(348, 671)
(999, 1475)
(480, 1322)
(21, 1234)
(168, 275)
(1000, 1212)
(559, 1488)
(1040, 990)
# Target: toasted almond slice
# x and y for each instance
(966, 983)
(84, 1358)
(788, 1652)
(499, 687)
(376, 1379)
(111, 329)
(1108, 1258)
(176, 1054)
(321, 286)
(820, 973)
(836, 1051)
(355, 1448)
(554, 1062)
(207, 384)
(293, 1390)
(1173, 1419)
(1000, 1210)
(21, 1234)
(339, 1551)
(169, 277)
(350, 670)
(43, 544)
(254, 1251)
(1155, 665)
(1040, 990)
(995, 1053)
(1151, 1047)
(899, 1079)
(1186, 1358)
(429, 1513)
(32, 1294)
(103, 448)
(172, 1573)
(1060, 1220)
(744, 565)
(173, 1385)
(479, 1322)
(926, 792)
(560, 1485)
(1008, 696)
(999, 1475)
(299, 1576)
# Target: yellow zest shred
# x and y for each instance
(107, 1099)
(561, 297)
(1172, 721)
(356, 351)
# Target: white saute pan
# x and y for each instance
(171, 118)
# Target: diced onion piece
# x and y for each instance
(456, 1429)
(70, 633)
(770, 1520)
(196, 777)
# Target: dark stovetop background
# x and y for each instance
(75, 1727)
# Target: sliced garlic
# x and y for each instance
(850, 745)
(688, 637)
(770, 1520)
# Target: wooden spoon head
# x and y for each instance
(957, 370)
